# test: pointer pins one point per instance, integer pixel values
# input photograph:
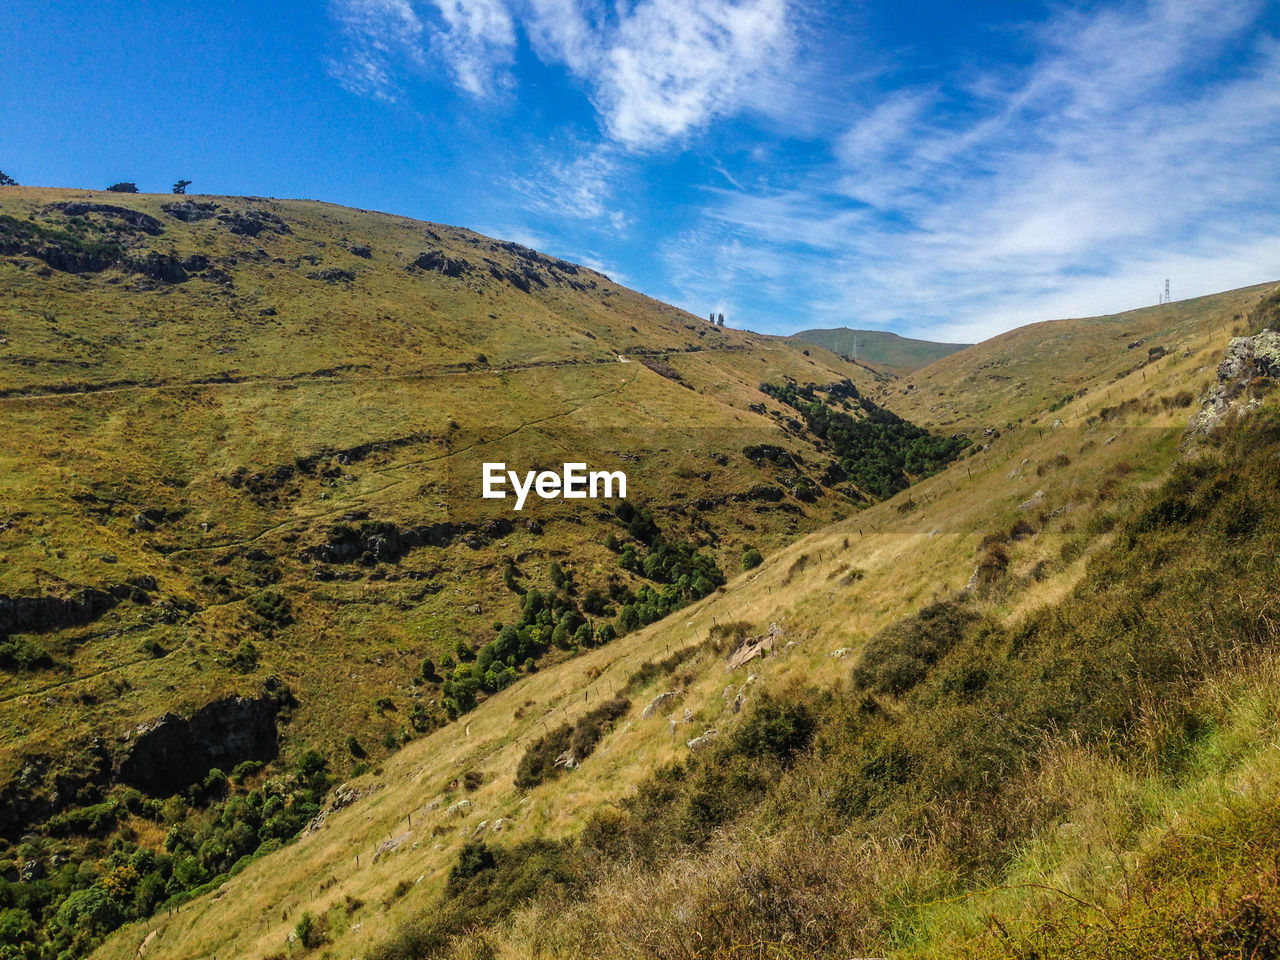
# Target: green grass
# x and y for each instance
(243, 424)
(215, 402)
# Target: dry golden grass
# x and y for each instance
(908, 559)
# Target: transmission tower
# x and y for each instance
(1167, 298)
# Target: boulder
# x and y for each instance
(160, 266)
(252, 222)
(698, 744)
(1034, 500)
(190, 211)
(656, 704)
(1246, 359)
(437, 261)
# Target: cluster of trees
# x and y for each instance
(128, 186)
(67, 910)
(546, 619)
(716, 320)
(560, 618)
(880, 453)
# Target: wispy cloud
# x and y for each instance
(377, 35)
(655, 69)
(671, 66)
(1076, 184)
(579, 188)
(476, 40)
(1130, 141)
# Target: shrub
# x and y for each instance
(124, 186)
(485, 884)
(21, 654)
(311, 934)
(776, 728)
(246, 658)
(272, 610)
(577, 740)
(751, 558)
(899, 656)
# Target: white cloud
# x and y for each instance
(672, 65)
(579, 188)
(378, 34)
(475, 39)
(655, 69)
(478, 42)
(1131, 149)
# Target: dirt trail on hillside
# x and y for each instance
(319, 376)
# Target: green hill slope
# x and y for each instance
(862, 793)
(1044, 366)
(879, 347)
(243, 552)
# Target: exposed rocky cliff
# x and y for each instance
(170, 753)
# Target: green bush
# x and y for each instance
(900, 656)
(485, 884)
(22, 654)
(776, 728)
(578, 740)
(272, 610)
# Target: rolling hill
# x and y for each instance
(983, 717)
(977, 662)
(880, 348)
(243, 551)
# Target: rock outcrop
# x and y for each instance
(41, 614)
(1246, 360)
(383, 542)
(252, 222)
(437, 260)
(657, 703)
(118, 218)
(190, 211)
(170, 753)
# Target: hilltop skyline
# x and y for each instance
(941, 171)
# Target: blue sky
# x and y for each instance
(947, 170)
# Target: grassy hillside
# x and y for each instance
(995, 716)
(1042, 367)
(880, 347)
(241, 459)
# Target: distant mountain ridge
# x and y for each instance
(902, 354)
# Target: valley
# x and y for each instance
(865, 659)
